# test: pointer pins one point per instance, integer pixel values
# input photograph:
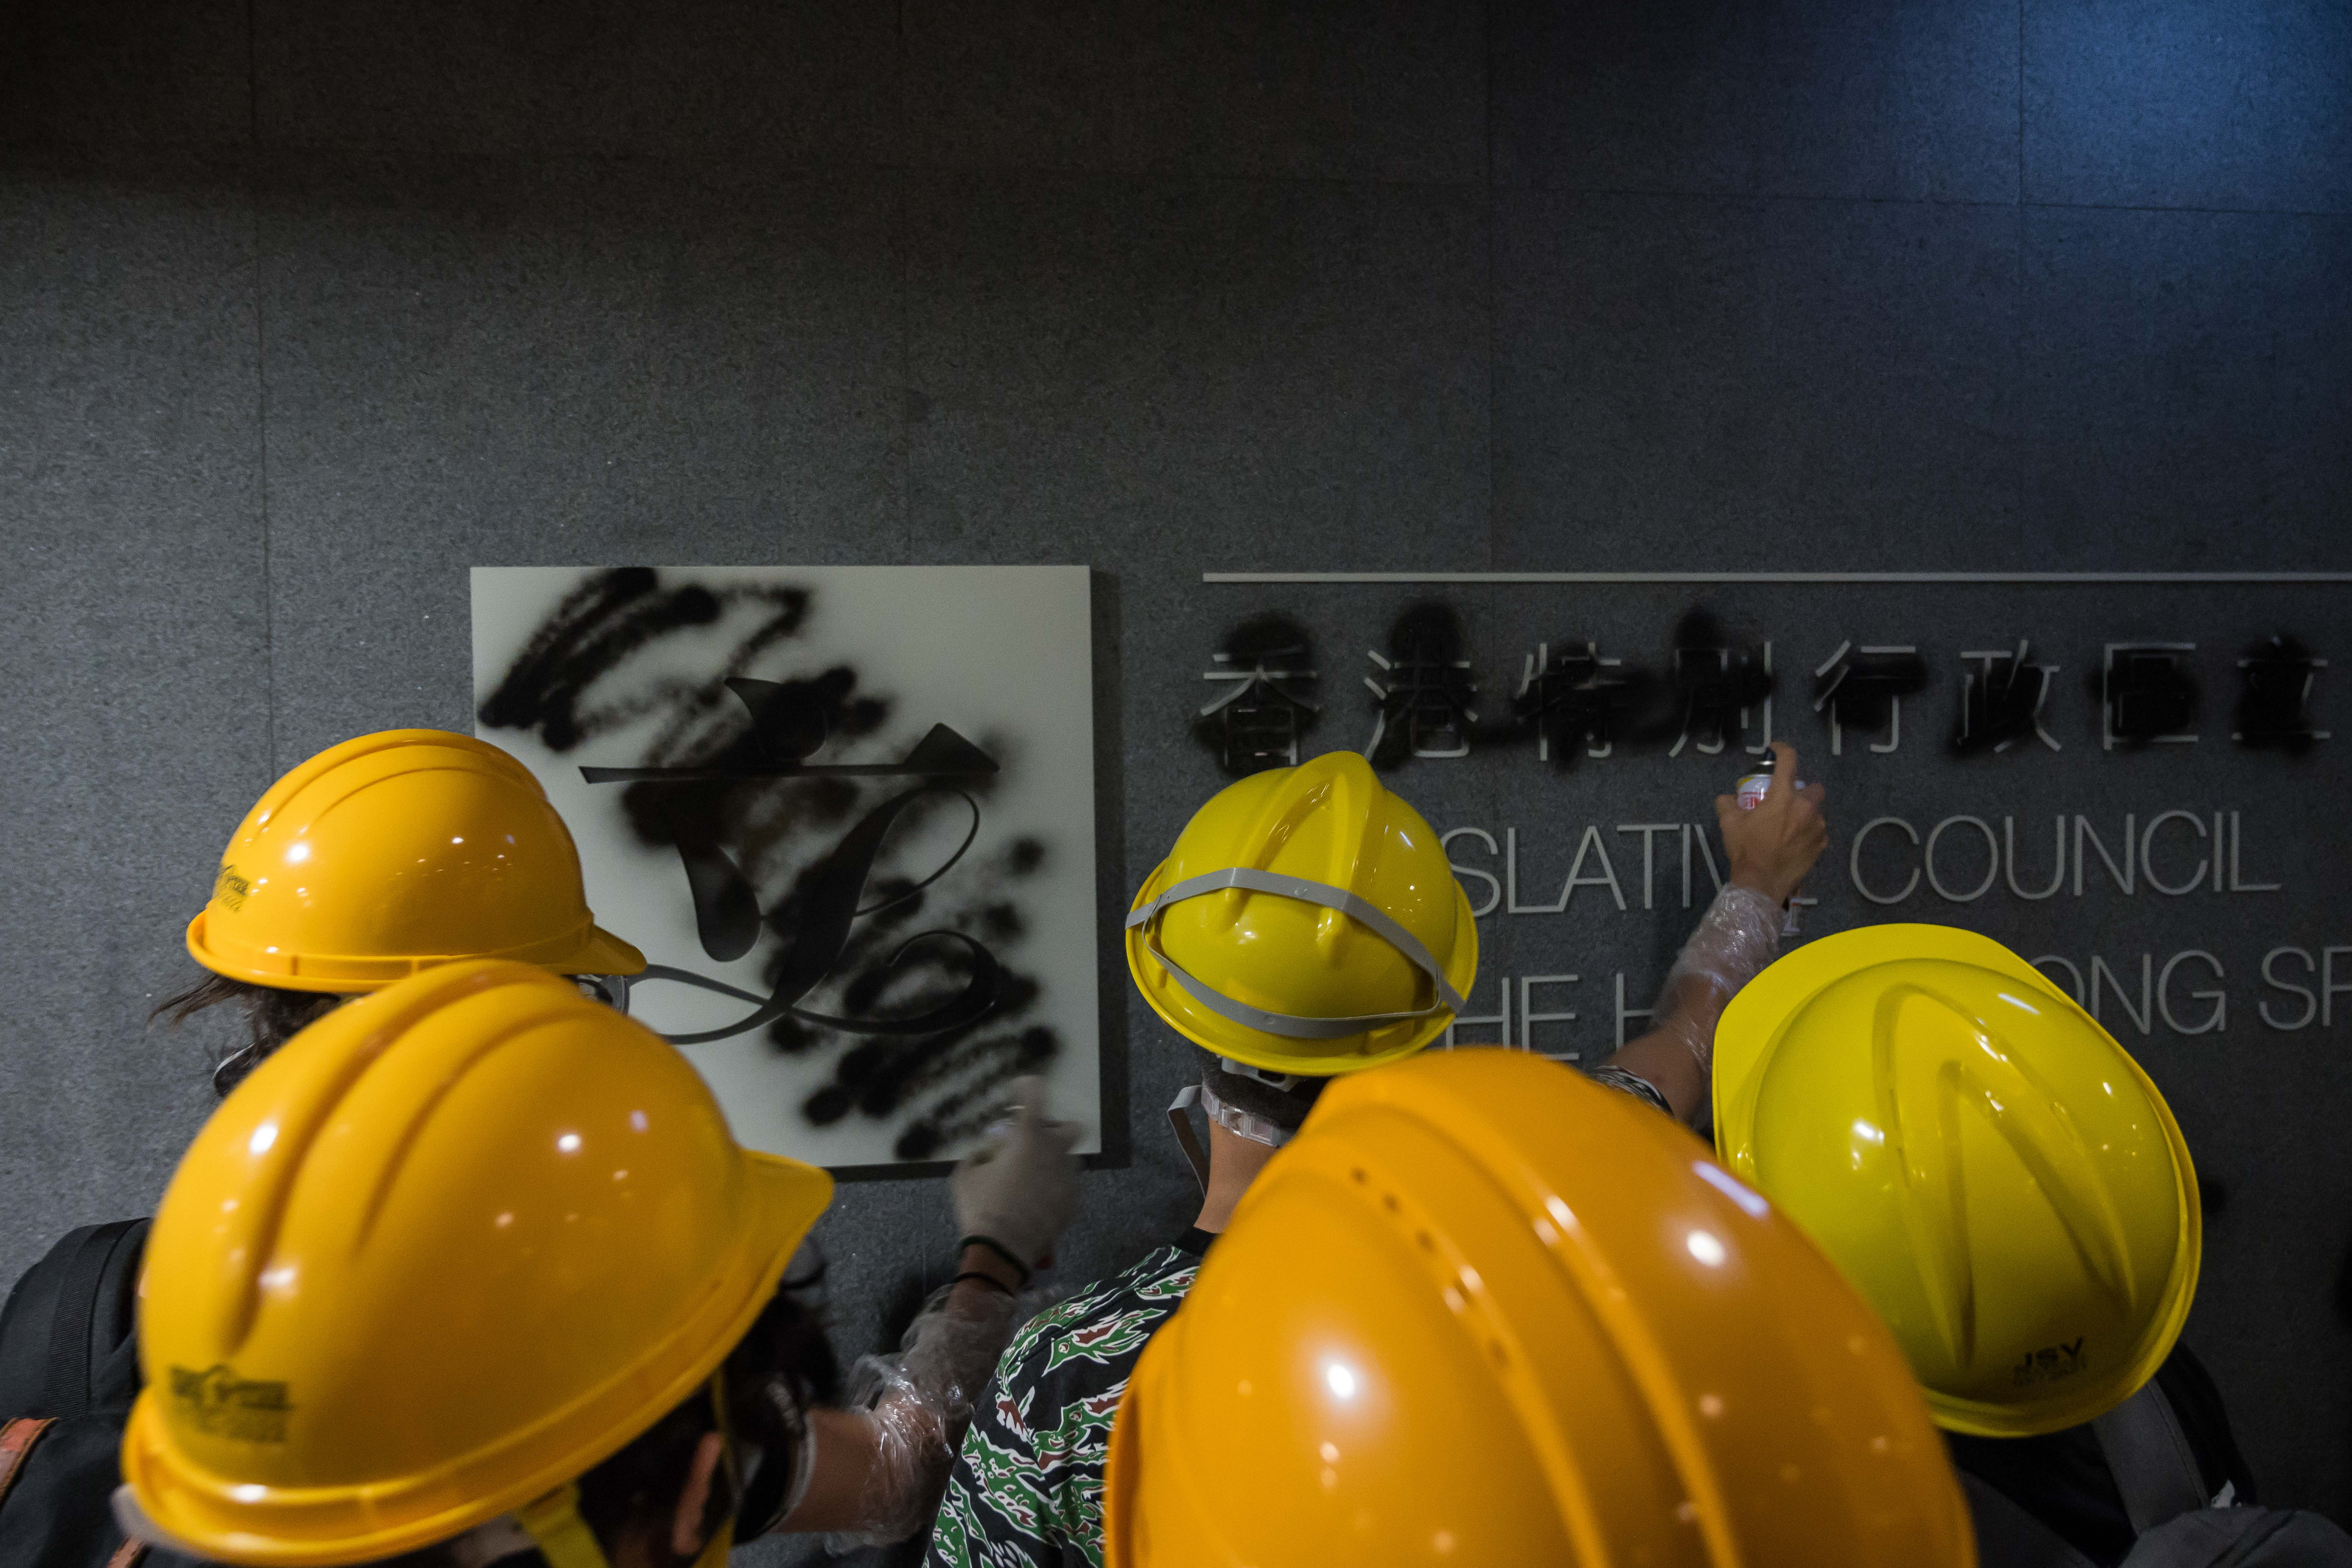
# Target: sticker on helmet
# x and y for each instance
(217, 1401)
(231, 888)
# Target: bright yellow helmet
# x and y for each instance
(394, 852)
(1307, 922)
(454, 1244)
(1483, 1311)
(1982, 1159)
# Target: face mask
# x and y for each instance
(1231, 1117)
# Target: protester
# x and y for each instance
(1437, 1331)
(473, 1267)
(377, 858)
(373, 859)
(2011, 1192)
(1305, 926)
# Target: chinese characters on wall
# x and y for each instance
(2049, 707)
(1571, 699)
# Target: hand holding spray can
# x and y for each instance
(1750, 792)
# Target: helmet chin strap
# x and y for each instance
(553, 1522)
(554, 1525)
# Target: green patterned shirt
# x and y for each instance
(1026, 1489)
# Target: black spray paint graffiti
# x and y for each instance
(2147, 693)
(776, 844)
(1578, 697)
(2274, 711)
(1261, 705)
(1573, 699)
(1862, 689)
(1425, 697)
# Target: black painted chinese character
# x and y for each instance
(1255, 723)
(1424, 689)
(1576, 701)
(2147, 694)
(1863, 689)
(1715, 685)
(2002, 700)
(2274, 698)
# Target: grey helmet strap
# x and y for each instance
(1181, 1120)
(2154, 1466)
(1283, 1081)
(2009, 1537)
(1293, 1026)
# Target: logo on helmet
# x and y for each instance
(231, 888)
(2049, 1363)
(217, 1401)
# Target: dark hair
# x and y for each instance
(636, 1490)
(770, 1379)
(1285, 1107)
(272, 1017)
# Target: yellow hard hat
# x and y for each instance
(393, 852)
(1307, 922)
(1483, 1311)
(1982, 1159)
(454, 1244)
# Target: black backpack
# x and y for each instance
(68, 1372)
(2155, 1469)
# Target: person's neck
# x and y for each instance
(1233, 1163)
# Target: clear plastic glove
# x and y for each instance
(913, 1409)
(1736, 938)
(1021, 1189)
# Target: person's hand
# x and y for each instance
(1772, 846)
(1020, 1190)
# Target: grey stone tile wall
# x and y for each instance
(1325, 90)
(135, 664)
(1886, 98)
(1095, 364)
(2183, 379)
(305, 310)
(816, 82)
(2206, 104)
(477, 362)
(1666, 364)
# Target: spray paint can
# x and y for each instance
(1751, 789)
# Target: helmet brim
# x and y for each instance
(597, 952)
(604, 954)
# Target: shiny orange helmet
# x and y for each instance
(394, 852)
(1483, 1311)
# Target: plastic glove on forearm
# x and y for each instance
(1737, 937)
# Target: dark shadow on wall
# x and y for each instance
(1110, 874)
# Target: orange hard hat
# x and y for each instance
(452, 1245)
(1483, 1311)
(394, 852)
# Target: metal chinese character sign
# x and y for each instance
(2146, 810)
(847, 812)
